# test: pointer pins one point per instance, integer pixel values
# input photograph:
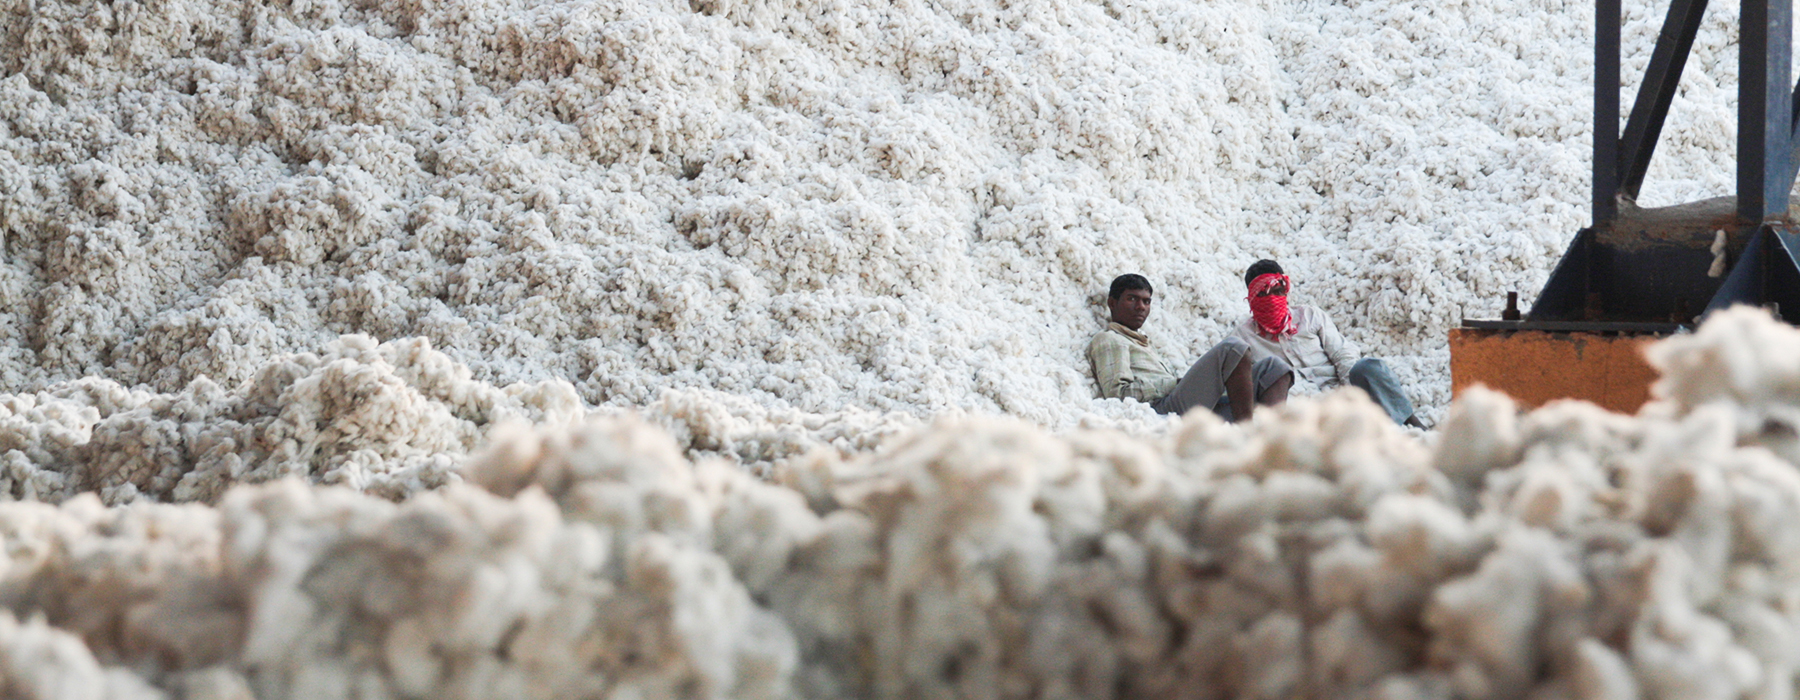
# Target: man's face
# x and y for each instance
(1131, 309)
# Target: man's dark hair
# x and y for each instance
(1127, 282)
(1260, 268)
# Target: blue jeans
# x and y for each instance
(1204, 383)
(1372, 376)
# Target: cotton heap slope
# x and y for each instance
(906, 206)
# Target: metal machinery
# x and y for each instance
(1638, 273)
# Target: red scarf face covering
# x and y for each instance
(1271, 312)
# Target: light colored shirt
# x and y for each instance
(1128, 366)
(1318, 353)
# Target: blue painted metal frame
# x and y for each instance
(1614, 272)
(1606, 111)
(1662, 78)
(1765, 110)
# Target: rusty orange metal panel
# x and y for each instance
(1539, 366)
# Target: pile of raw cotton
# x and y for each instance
(1315, 552)
(732, 349)
(815, 206)
(391, 420)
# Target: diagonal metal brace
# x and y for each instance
(1661, 79)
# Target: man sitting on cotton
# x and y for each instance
(1308, 341)
(1225, 380)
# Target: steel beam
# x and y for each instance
(1646, 269)
(1606, 111)
(1661, 79)
(1796, 103)
(1794, 133)
(1765, 109)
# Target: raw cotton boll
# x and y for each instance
(103, 191)
(1202, 441)
(728, 645)
(24, 480)
(1678, 650)
(1767, 633)
(1236, 509)
(135, 582)
(383, 418)
(812, 476)
(821, 597)
(394, 402)
(1765, 495)
(73, 329)
(215, 683)
(291, 219)
(1347, 656)
(1343, 574)
(1133, 475)
(955, 508)
(1257, 567)
(1604, 555)
(1492, 628)
(1481, 434)
(1580, 426)
(1073, 500)
(1426, 537)
(1735, 357)
(612, 450)
(1267, 658)
(760, 438)
(758, 528)
(354, 400)
(1680, 494)
(965, 492)
(622, 474)
(1729, 357)
(1415, 686)
(40, 661)
(458, 593)
(378, 304)
(1301, 497)
(1215, 603)
(226, 340)
(1360, 449)
(35, 429)
(1554, 494)
(1600, 674)
(1099, 625)
(133, 452)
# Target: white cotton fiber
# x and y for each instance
(723, 349)
(40, 662)
(908, 206)
(1314, 551)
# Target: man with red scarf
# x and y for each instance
(1306, 338)
(1225, 380)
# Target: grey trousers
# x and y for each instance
(1371, 375)
(1204, 383)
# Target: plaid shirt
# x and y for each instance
(1124, 368)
